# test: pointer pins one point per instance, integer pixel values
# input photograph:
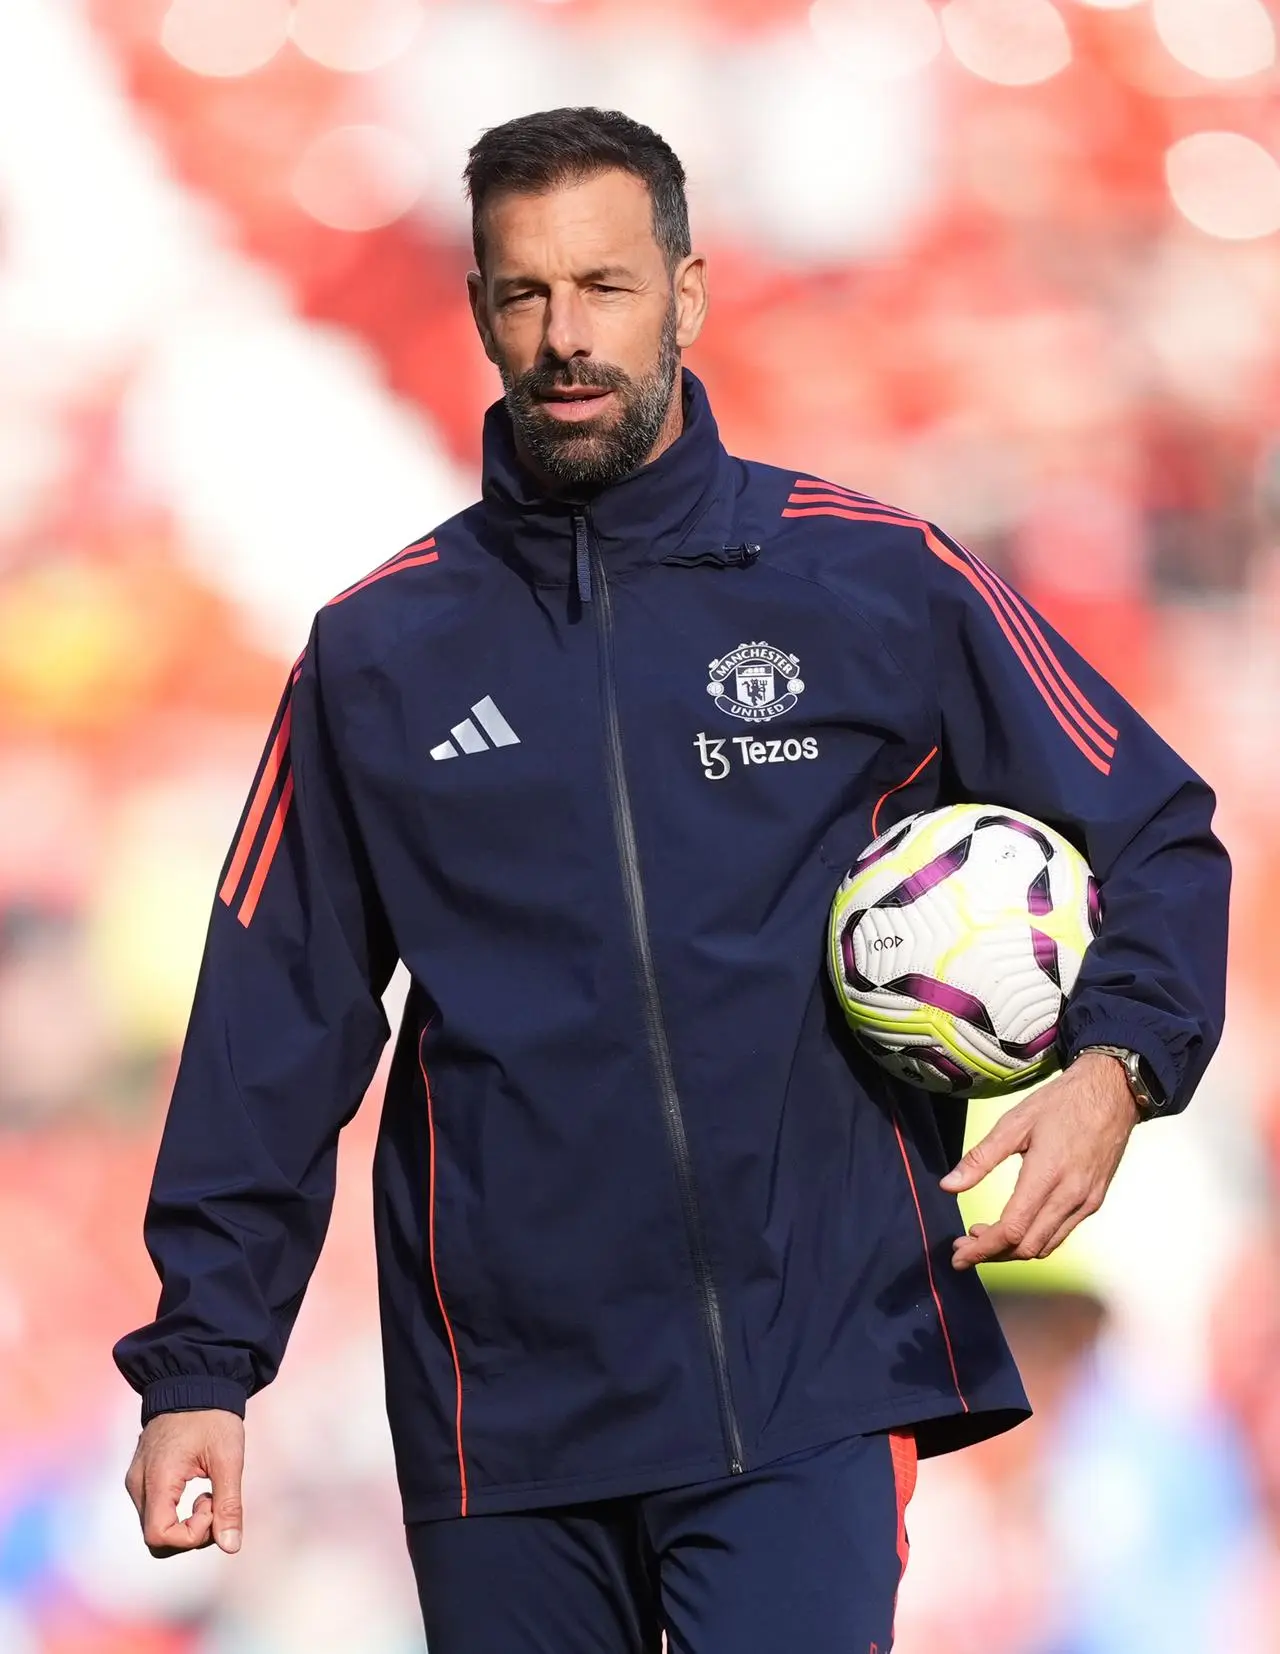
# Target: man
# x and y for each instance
(672, 1286)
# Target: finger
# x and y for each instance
(1049, 1227)
(226, 1464)
(1066, 1199)
(1072, 1221)
(158, 1511)
(1008, 1136)
(986, 1242)
(964, 1253)
(133, 1484)
(165, 1535)
(186, 1538)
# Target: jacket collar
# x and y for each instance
(681, 504)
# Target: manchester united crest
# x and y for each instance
(756, 682)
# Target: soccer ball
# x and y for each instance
(955, 940)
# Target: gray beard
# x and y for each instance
(582, 458)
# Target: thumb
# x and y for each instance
(1006, 1137)
(226, 1463)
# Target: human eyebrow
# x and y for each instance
(517, 284)
(606, 273)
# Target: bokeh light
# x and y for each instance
(356, 36)
(1011, 42)
(358, 178)
(1220, 39)
(225, 37)
(1225, 184)
(878, 39)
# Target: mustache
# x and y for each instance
(546, 377)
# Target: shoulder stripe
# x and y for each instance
(1076, 693)
(276, 758)
(1064, 698)
(269, 847)
(411, 557)
(809, 491)
(276, 764)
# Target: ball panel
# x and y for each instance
(954, 942)
(1040, 894)
(885, 947)
(917, 885)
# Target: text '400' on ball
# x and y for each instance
(955, 942)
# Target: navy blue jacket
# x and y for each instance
(645, 1213)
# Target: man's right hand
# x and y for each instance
(174, 1449)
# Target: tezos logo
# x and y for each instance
(756, 682)
(716, 762)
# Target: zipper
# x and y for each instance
(582, 560)
(596, 584)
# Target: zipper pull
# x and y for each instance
(741, 557)
(582, 559)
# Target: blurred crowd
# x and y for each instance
(1014, 264)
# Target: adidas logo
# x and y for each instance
(469, 738)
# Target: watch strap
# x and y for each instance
(1142, 1084)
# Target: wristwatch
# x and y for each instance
(1147, 1094)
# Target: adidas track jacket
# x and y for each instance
(645, 1214)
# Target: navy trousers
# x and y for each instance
(804, 1554)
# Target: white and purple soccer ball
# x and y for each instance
(954, 943)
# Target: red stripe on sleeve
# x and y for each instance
(393, 565)
(1068, 682)
(1067, 716)
(811, 488)
(269, 847)
(266, 784)
(1037, 645)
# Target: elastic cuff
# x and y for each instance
(192, 1394)
(1133, 1036)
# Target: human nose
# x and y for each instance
(568, 331)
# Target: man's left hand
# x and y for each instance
(1071, 1134)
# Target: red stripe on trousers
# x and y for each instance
(902, 1452)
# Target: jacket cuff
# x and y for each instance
(1134, 1036)
(192, 1395)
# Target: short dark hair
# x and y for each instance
(557, 146)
